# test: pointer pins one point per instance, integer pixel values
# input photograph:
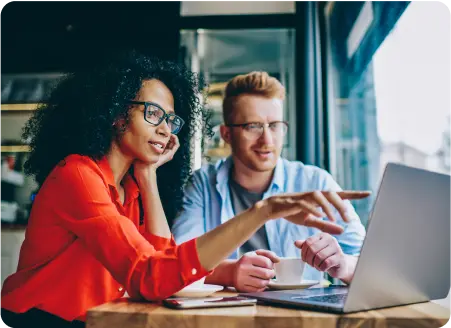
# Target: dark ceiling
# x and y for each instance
(64, 36)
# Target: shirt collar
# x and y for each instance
(106, 171)
(130, 185)
(278, 179)
(131, 188)
(225, 166)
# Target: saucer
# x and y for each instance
(203, 291)
(273, 284)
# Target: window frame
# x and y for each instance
(370, 43)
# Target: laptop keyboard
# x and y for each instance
(334, 298)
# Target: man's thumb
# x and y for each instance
(299, 243)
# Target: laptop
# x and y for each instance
(405, 257)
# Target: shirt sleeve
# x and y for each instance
(351, 240)
(158, 242)
(88, 211)
(190, 223)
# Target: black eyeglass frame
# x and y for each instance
(165, 116)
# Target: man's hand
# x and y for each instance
(299, 208)
(323, 252)
(254, 270)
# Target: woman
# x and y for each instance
(98, 226)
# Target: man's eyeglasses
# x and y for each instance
(254, 130)
(154, 115)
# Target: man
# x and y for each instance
(254, 128)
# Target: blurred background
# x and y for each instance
(367, 82)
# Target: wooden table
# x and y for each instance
(126, 314)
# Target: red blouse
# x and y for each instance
(83, 247)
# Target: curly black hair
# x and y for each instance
(79, 114)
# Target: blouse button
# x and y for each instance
(193, 271)
(121, 288)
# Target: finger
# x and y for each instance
(299, 243)
(168, 148)
(325, 226)
(286, 206)
(309, 208)
(330, 262)
(261, 261)
(255, 282)
(351, 194)
(171, 143)
(251, 289)
(314, 249)
(261, 273)
(338, 203)
(176, 142)
(306, 248)
(344, 194)
(304, 252)
(322, 255)
(271, 255)
(324, 204)
(171, 147)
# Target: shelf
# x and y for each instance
(217, 87)
(218, 152)
(16, 149)
(19, 107)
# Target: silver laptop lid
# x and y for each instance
(406, 253)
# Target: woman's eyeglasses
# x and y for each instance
(154, 115)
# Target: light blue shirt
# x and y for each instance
(207, 204)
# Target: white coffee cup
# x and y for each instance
(197, 284)
(289, 270)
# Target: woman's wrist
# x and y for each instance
(261, 210)
(144, 179)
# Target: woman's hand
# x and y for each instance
(303, 208)
(171, 147)
(146, 176)
(299, 208)
(143, 172)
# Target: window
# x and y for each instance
(388, 90)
